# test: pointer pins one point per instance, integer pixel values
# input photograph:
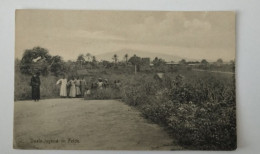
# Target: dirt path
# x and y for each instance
(81, 124)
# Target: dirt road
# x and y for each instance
(81, 124)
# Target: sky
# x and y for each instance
(193, 35)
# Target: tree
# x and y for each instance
(126, 58)
(88, 55)
(136, 61)
(106, 64)
(94, 60)
(182, 62)
(35, 60)
(57, 66)
(204, 62)
(158, 62)
(219, 61)
(115, 58)
(81, 60)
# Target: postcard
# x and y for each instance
(125, 80)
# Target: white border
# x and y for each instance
(248, 60)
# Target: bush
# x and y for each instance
(199, 113)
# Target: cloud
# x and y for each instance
(105, 31)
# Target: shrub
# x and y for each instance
(199, 113)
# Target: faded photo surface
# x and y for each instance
(124, 80)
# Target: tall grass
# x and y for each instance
(48, 88)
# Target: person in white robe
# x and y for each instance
(63, 86)
(72, 93)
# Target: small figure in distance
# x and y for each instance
(100, 83)
(106, 84)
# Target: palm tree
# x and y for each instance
(88, 55)
(115, 58)
(126, 58)
(94, 59)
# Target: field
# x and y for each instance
(197, 108)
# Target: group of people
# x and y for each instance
(78, 87)
(75, 87)
(72, 88)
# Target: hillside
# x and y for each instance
(121, 53)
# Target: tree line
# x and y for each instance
(39, 59)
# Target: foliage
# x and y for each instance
(39, 60)
(158, 62)
(137, 61)
(35, 60)
(57, 66)
(199, 113)
(182, 62)
(204, 62)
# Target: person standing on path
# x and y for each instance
(63, 86)
(35, 84)
(82, 86)
(72, 92)
(77, 84)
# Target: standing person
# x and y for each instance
(77, 84)
(82, 86)
(100, 83)
(106, 84)
(63, 86)
(35, 84)
(117, 84)
(72, 92)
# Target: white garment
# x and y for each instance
(63, 87)
(100, 85)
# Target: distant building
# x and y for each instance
(145, 61)
(172, 63)
(192, 63)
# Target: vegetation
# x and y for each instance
(198, 109)
(199, 112)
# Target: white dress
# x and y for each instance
(72, 88)
(63, 87)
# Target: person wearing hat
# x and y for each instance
(35, 84)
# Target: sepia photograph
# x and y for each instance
(125, 80)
